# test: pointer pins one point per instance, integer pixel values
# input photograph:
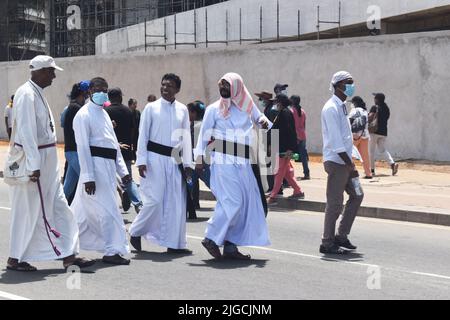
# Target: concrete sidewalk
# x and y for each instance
(419, 193)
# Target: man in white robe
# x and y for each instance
(35, 235)
(239, 218)
(95, 207)
(164, 132)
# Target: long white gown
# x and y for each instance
(99, 218)
(162, 220)
(28, 240)
(239, 214)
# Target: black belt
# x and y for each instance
(45, 146)
(244, 151)
(104, 153)
(231, 148)
(169, 152)
(161, 149)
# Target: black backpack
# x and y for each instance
(358, 122)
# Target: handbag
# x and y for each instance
(15, 171)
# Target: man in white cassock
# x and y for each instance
(43, 226)
(164, 132)
(95, 207)
(239, 217)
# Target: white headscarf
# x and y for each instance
(338, 77)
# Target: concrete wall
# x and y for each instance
(412, 70)
(132, 39)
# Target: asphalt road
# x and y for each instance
(394, 261)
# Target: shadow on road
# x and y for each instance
(351, 256)
(15, 277)
(231, 264)
(157, 256)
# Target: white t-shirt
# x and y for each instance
(8, 114)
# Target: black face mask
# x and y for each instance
(224, 93)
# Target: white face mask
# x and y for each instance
(285, 92)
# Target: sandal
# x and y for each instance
(80, 263)
(22, 267)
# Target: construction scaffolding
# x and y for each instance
(207, 41)
(23, 29)
(94, 17)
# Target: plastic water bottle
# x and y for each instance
(356, 183)
(189, 182)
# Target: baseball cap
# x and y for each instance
(380, 96)
(264, 95)
(280, 87)
(41, 62)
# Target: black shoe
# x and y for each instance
(136, 243)
(334, 249)
(138, 208)
(394, 168)
(344, 244)
(236, 255)
(126, 202)
(116, 260)
(306, 178)
(179, 251)
(212, 248)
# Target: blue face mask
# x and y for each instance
(99, 98)
(349, 90)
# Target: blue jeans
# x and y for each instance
(131, 187)
(72, 175)
(205, 176)
(304, 158)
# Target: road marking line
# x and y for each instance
(11, 296)
(431, 275)
(323, 258)
(5, 208)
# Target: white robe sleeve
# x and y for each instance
(206, 132)
(144, 131)
(25, 116)
(258, 116)
(82, 132)
(187, 143)
(121, 167)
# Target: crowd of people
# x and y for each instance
(174, 146)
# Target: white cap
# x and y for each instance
(41, 62)
(338, 77)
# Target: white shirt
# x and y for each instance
(93, 127)
(167, 124)
(336, 131)
(364, 134)
(34, 122)
(8, 115)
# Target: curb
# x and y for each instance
(368, 212)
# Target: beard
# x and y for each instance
(226, 94)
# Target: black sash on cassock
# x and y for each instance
(241, 150)
(172, 152)
(105, 153)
